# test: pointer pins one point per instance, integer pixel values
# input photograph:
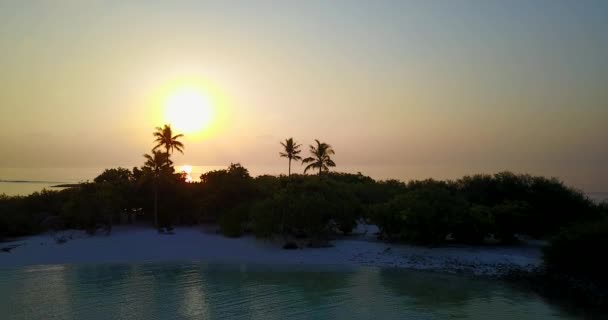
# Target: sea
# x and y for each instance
(191, 290)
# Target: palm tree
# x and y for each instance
(320, 157)
(158, 165)
(292, 149)
(165, 138)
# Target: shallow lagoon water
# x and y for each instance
(202, 291)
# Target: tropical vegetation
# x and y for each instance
(291, 151)
(309, 210)
(320, 157)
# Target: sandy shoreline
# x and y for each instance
(139, 244)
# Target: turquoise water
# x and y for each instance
(199, 291)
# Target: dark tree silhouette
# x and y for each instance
(164, 138)
(321, 157)
(115, 176)
(158, 166)
(292, 149)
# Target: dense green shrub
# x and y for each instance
(305, 208)
(221, 190)
(371, 193)
(267, 217)
(13, 221)
(424, 215)
(472, 225)
(91, 205)
(503, 205)
(310, 216)
(308, 206)
(233, 222)
(603, 209)
(508, 219)
(553, 206)
(115, 176)
(83, 206)
(298, 205)
(577, 251)
(24, 215)
(546, 203)
(468, 209)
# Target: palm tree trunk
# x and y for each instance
(289, 172)
(320, 168)
(156, 204)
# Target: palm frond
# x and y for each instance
(310, 166)
(164, 138)
(320, 156)
(309, 159)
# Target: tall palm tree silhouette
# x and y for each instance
(292, 149)
(164, 138)
(159, 166)
(320, 157)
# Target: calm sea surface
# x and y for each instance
(199, 291)
(23, 181)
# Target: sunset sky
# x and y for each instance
(443, 87)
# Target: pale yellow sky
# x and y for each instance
(448, 88)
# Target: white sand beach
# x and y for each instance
(128, 244)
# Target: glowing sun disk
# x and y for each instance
(186, 169)
(188, 110)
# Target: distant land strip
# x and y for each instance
(31, 181)
(66, 185)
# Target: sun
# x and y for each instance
(187, 171)
(193, 106)
(188, 110)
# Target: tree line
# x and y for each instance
(312, 209)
